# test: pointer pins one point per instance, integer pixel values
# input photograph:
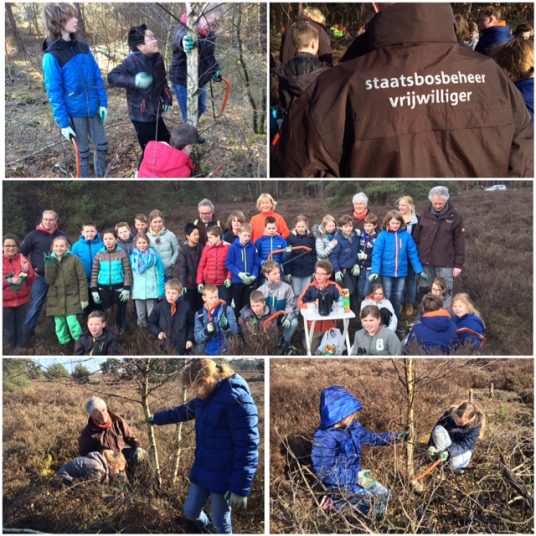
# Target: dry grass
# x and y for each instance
(48, 418)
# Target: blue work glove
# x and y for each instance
(224, 323)
(143, 80)
(84, 304)
(96, 297)
(216, 76)
(200, 288)
(166, 108)
(103, 113)
(356, 270)
(373, 277)
(424, 276)
(124, 295)
(362, 255)
(68, 133)
(339, 277)
(227, 283)
(236, 501)
(188, 44)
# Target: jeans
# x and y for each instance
(351, 282)
(299, 283)
(67, 326)
(440, 271)
(13, 322)
(219, 510)
(143, 310)
(182, 97)
(363, 284)
(410, 290)
(39, 294)
(394, 289)
(287, 333)
(375, 498)
(86, 128)
(442, 441)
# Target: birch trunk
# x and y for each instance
(192, 66)
(178, 440)
(410, 391)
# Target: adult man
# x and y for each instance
(494, 30)
(440, 238)
(417, 104)
(105, 430)
(206, 219)
(35, 245)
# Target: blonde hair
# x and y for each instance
(465, 299)
(472, 412)
(409, 200)
(314, 14)
(327, 218)
(303, 33)
(516, 57)
(245, 228)
(198, 369)
(347, 421)
(266, 197)
(174, 284)
(155, 213)
(58, 238)
(55, 16)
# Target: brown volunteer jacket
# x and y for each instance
(117, 437)
(441, 241)
(417, 105)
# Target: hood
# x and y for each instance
(502, 31)
(437, 320)
(400, 24)
(43, 230)
(336, 403)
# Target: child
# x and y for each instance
(321, 283)
(212, 269)
(300, 264)
(214, 323)
(125, 237)
(67, 292)
(469, 326)
(336, 453)
(243, 263)
(374, 338)
(280, 297)
(96, 340)
(366, 246)
(345, 260)
(86, 247)
(170, 320)
(17, 278)
(253, 317)
(377, 298)
(456, 433)
(170, 160)
(234, 222)
(104, 467)
(436, 331)
(141, 223)
(271, 241)
(393, 250)
(266, 205)
(148, 278)
(303, 69)
(227, 442)
(187, 266)
(111, 277)
(164, 241)
(325, 240)
(516, 57)
(439, 288)
(74, 86)
(143, 75)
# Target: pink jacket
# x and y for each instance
(161, 161)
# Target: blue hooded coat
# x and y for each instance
(435, 333)
(473, 322)
(391, 253)
(242, 259)
(491, 37)
(226, 436)
(527, 90)
(345, 253)
(86, 251)
(336, 453)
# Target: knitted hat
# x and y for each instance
(136, 36)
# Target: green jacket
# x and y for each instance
(67, 286)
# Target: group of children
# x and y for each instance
(79, 102)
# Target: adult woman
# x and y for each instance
(266, 205)
(164, 241)
(374, 339)
(17, 278)
(234, 223)
(360, 202)
(406, 207)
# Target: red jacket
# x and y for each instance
(13, 266)
(211, 269)
(161, 161)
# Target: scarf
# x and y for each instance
(141, 262)
(360, 216)
(41, 228)
(441, 213)
(173, 308)
(105, 426)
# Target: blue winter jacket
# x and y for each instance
(463, 438)
(73, 80)
(226, 437)
(435, 333)
(242, 259)
(491, 37)
(86, 251)
(527, 90)
(473, 322)
(214, 343)
(366, 244)
(345, 253)
(336, 453)
(391, 253)
(266, 244)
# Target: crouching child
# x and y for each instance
(227, 442)
(104, 467)
(96, 340)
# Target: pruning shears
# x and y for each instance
(270, 319)
(225, 97)
(305, 249)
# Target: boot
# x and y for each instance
(409, 311)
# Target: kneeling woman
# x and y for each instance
(374, 339)
(226, 442)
